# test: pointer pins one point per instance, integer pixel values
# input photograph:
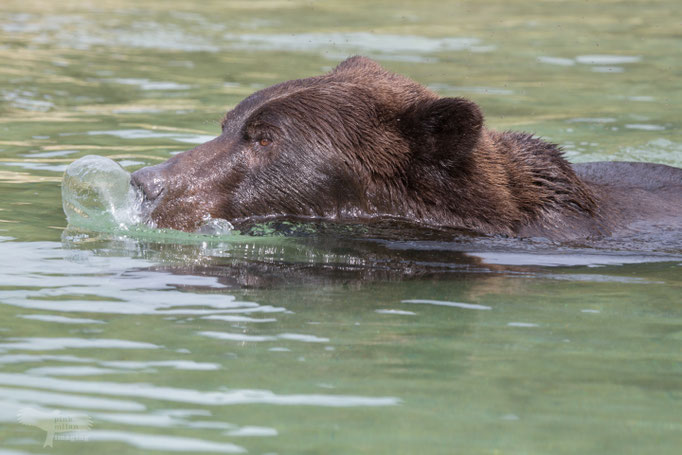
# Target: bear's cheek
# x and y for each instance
(256, 157)
(232, 184)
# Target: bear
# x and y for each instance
(362, 143)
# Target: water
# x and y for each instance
(97, 192)
(97, 196)
(296, 337)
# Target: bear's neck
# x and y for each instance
(511, 181)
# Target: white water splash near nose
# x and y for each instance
(96, 193)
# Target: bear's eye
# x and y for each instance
(264, 142)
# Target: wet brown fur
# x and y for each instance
(361, 142)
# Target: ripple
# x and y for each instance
(30, 396)
(146, 84)
(593, 120)
(164, 443)
(81, 281)
(608, 69)
(253, 431)
(222, 398)
(465, 89)
(51, 344)
(136, 134)
(72, 31)
(557, 61)
(136, 110)
(25, 100)
(175, 364)
(33, 166)
(130, 163)
(70, 371)
(607, 59)
(26, 358)
(14, 452)
(558, 260)
(59, 153)
(467, 306)
(238, 336)
(229, 318)
(260, 338)
(398, 47)
(59, 319)
(190, 365)
(599, 278)
(301, 337)
(399, 312)
(149, 304)
(644, 127)
(163, 419)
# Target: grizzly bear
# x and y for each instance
(361, 143)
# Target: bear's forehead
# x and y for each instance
(300, 87)
(352, 77)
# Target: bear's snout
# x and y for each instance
(150, 181)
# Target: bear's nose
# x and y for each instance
(150, 181)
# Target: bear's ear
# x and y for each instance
(443, 131)
(359, 64)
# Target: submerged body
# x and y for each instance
(637, 199)
(361, 142)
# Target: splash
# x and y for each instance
(97, 195)
(214, 226)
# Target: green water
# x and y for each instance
(319, 339)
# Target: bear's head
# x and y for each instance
(356, 142)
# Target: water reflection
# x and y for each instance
(291, 253)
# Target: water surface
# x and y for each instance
(310, 338)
